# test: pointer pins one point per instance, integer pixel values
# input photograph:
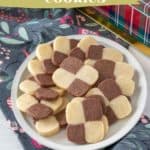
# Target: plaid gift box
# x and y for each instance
(134, 19)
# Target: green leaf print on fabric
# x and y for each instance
(147, 126)
(5, 27)
(23, 33)
(1, 33)
(4, 76)
(11, 41)
(8, 86)
(64, 26)
(90, 24)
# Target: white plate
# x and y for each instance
(116, 132)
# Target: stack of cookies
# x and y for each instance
(82, 86)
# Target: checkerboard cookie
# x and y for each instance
(52, 124)
(119, 108)
(118, 105)
(62, 47)
(44, 54)
(39, 109)
(30, 105)
(96, 52)
(110, 69)
(37, 71)
(74, 76)
(82, 47)
(125, 85)
(84, 116)
(35, 82)
(31, 87)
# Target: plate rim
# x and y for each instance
(26, 127)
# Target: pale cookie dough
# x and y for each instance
(47, 127)
(28, 86)
(112, 54)
(60, 91)
(86, 42)
(94, 131)
(54, 105)
(124, 69)
(35, 67)
(74, 112)
(106, 124)
(63, 106)
(25, 101)
(121, 107)
(126, 85)
(44, 51)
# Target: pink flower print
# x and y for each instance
(144, 121)
(36, 144)
(66, 20)
(1, 62)
(80, 19)
(14, 126)
(25, 52)
(21, 130)
(142, 116)
(8, 123)
(9, 102)
(85, 31)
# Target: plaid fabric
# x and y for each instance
(134, 19)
